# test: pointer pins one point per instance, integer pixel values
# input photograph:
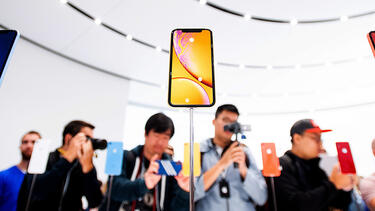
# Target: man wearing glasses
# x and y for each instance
(303, 185)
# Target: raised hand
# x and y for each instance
(74, 147)
(340, 180)
(85, 156)
(183, 181)
(151, 176)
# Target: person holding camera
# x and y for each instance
(140, 187)
(70, 175)
(222, 186)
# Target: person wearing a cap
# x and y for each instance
(303, 185)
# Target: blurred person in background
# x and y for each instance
(70, 175)
(303, 185)
(11, 178)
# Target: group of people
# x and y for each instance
(230, 178)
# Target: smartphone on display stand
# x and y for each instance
(191, 69)
(271, 164)
(113, 165)
(371, 39)
(8, 39)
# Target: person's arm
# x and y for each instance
(366, 186)
(91, 186)
(205, 181)
(254, 184)
(210, 176)
(371, 205)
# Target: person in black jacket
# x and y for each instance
(69, 176)
(139, 187)
(302, 185)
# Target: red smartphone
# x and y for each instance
(371, 38)
(345, 158)
(271, 164)
(191, 75)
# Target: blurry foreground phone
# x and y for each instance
(345, 158)
(39, 157)
(271, 164)
(371, 39)
(113, 164)
(8, 38)
(169, 167)
(191, 69)
(196, 162)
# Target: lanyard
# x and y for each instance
(218, 155)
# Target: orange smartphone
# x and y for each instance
(345, 158)
(271, 164)
(191, 69)
(371, 38)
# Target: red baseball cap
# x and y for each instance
(306, 125)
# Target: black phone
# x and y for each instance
(8, 38)
(191, 69)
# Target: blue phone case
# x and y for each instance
(113, 165)
(169, 167)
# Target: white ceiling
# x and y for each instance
(235, 41)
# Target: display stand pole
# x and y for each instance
(273, 194)
(30, 193)
(109, 192)
(191, 184)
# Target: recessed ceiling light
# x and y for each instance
(97, 21)
(344, 18)
(293, 22)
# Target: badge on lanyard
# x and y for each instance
(224, 188)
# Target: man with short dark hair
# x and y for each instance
(303, 185)
(69, 176)
(139, 187)
(222, 186)
(11, 178)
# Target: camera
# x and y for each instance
(98, 143)
(236, 128)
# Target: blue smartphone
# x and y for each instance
(113, 165)
(8, 38)
(169, 167)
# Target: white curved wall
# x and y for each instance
(43, 92)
